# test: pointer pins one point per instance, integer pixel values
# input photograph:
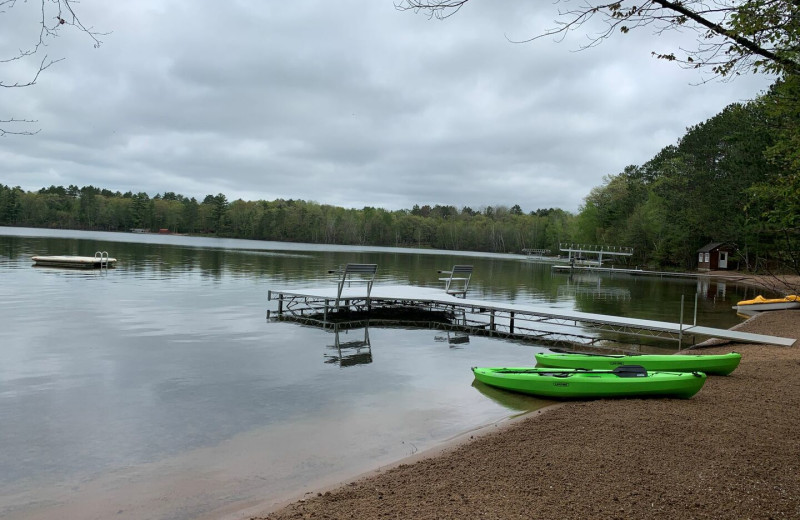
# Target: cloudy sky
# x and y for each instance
(350, 103)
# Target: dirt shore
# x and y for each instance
(732, 451)
(782, 284)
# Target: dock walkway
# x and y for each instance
(317, 305)
(623, 270)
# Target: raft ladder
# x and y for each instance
(102, 258)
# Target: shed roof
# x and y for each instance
(714, 245)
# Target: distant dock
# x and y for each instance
(633, 272)
(326, 308)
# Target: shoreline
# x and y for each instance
(442, 449)
(778, 283)
(731, 451)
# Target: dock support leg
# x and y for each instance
(491, 321)
(325, 312)
(680, 326)
(280, 305)
(511, 324)
(269, 298)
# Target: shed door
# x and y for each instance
(723, 259)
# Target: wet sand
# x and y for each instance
(732, 451)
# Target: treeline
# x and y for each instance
(495, 229)
(734, 178)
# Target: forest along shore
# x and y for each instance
(732, 451)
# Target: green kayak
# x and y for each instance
(716, 364)
(624, 381)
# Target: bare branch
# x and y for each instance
(53, 17)
(438, 10)
(4, 132)
(732, 35)
(44, 65)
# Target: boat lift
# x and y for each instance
(576, 253)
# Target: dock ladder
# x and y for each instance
(102, 258)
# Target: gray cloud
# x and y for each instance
(348, 103)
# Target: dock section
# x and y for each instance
(326, 306)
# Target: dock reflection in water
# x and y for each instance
(349, 353)
(591, 286)
(453, 338)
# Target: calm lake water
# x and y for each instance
(159, 390)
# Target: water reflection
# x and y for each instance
(349, 353)
(78, 272)
(453, 338)
(711, 289)
(593, 286)
(511, 400)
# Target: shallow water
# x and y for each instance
(158, 389)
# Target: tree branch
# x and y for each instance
(437, 10)
(53, 16)
(44, 65)
(4, 132)
(678, 7)
(754, 29)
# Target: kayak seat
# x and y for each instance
(630, 371)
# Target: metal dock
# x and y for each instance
(333, 307)
(623, 270)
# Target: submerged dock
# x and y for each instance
(326, 307)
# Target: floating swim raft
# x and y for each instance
(716, 364)
(99, 260)
(625, 381)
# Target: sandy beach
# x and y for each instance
(732, 451)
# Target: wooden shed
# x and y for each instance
(714, 256)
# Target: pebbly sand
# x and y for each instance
(732, 451)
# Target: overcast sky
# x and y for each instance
(350, 103)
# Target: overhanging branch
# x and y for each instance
(753, 47)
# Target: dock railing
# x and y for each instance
(365, 273)
(461, 275)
